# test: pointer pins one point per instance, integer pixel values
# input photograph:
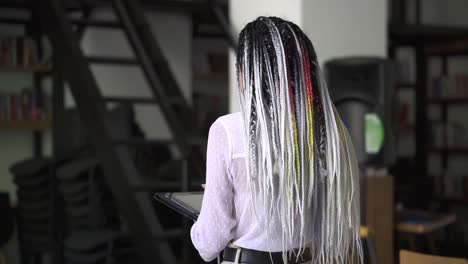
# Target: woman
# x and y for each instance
(282, 183)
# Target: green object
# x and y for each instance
(374, 133)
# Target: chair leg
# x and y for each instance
(24, 259)
(432, 244)
(370, 253)
(412, 243)
(37, 258)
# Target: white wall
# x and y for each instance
(346, 28)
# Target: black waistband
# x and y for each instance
(249, 256)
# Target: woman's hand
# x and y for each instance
(203, 186)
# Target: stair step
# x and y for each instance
(138, 100)
(95, 23)
(112, 60)
(194, 141)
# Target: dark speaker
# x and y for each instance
(362, 89)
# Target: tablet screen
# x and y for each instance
(185, 203)
(193, 200)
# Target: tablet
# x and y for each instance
(187, 204)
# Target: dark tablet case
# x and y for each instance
(187, 204)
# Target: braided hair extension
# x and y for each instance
(300, 160)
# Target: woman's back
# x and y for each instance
(227, 140)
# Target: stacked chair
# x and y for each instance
(34, 216)
(94, 229)
(91, 230)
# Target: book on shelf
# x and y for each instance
(406, 64)
(450, 86)
(454, 185)
(456, 135)
(437, 134)
(19, 51)
(451, 184)
(406, 111)
(25, 105)
(449, 135)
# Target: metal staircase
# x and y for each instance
(133, 200)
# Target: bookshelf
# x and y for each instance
(29, 69)
(450, 150)
(456, 48)
(33, 125)
(408, 32)
(449, 90)
(459, 202)
(426, 42)
(24, 108)
(448, 100)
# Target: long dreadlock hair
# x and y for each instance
(300, 159)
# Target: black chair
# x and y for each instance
(94, 228)
(34, 213)
(81, 190)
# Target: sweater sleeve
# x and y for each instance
(214, 228)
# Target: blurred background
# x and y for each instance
(104, 103)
